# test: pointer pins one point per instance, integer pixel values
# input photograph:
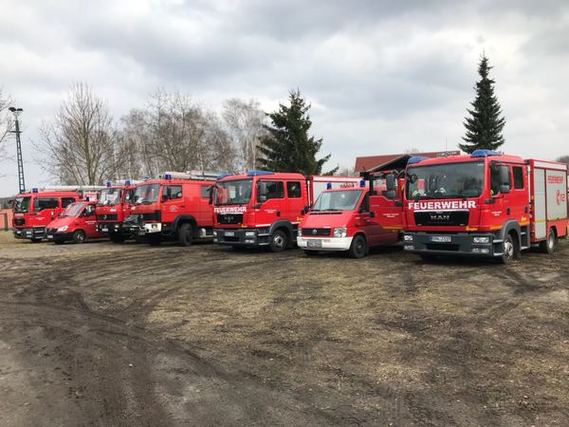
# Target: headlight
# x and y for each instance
(408, 238)
(340, 232)
(299, 234)
(214, 233)
(249, 234)
(481, 239)
(64, 228)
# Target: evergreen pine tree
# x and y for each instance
(287, 147)
(485, 124)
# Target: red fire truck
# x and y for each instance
(485, 204)
(34, 210)
(355, 219)
(113, 207)
(174, 206)
(77, 223)
(263, 208)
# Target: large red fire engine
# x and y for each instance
(175, 206)
(77, 223)
(34, 210)
(485, 203)
(263, 208)
(354, 219)
(113, 207)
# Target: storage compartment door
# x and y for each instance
(539, 210)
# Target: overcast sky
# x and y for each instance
(382, 76)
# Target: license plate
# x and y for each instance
(230, 233)
(104, 229)
(314, 243)
(50, 236)
(141, 232)
(441, 239)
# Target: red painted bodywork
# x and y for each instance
(31, 224)
(193, 206)
(111, 216)
(80, 221)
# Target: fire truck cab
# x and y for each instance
(354, 219)
(264, 208)
(175, 206)
(484, 204)
(113, 207)
(77, 223)
(34, 210)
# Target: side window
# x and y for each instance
(66, 201)
(365, 204)
(293, 189)
(45, 203)
(270, 190)
(173, 191)
(204, 191)
(494, 179)
(518, 177)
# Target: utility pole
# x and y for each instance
(21, 181)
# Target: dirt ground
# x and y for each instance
(103, 334)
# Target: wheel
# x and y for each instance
(116, 237)
(79, 236)
(510, 249)
(311, 253)
(279, 241)
(36, 240)
(185, 234)
(548, 246)
(429, 257)
(358, 248)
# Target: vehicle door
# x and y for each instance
(500, 190)
(519, 194)
(46, 209)
(367, 221)
(295, 201)
(270, 199)
(205, 208)
(89, 221)
(174, 202)
(387, 204)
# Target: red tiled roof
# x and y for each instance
(368, 163)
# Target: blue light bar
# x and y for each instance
(258, 172)
(127, 182)
(484, 153)
(167, 176)
(362, 183)
(109, 184)
(34, 190)
(415, 159)
(328, 186)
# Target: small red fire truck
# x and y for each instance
(354, 219)
(34, 210)
(76, 223)
(485, 204)
(113, 207)
(175, 206)
(263, 208)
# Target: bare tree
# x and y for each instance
(174, 133)
(80, 143)
(244, 121)
(346, 172)
(563, 159)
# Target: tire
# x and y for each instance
(510, 249)
(550, 244)
(185, 234)
(279, 241)
(311, 253)
(79, 236)
(358, 248)
(36, 240)
(116, 238)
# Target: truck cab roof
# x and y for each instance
(465, 158)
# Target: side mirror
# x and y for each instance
(262, 198)
(505, 188)
(390, 194)
(372, 214)
(390, 183)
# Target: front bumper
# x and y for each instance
(29, 233)
(59, 236)
(325, 243)
(118, 228)
(241, 237)
(452, 244)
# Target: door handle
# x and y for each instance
(278, 213)
(508, 211)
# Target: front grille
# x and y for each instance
(152, 216)
(442, 218)
(315, 231)
(229, 218)
(107, 217)
(51, 230)
(442, 247)
(19, 221)
(230, 238)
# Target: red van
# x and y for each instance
(77, 223)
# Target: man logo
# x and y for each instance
(439, 217)
(314, 231)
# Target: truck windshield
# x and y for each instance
(445, 181)
(337, 200)
(146, 194)
(109, 197)
(22, 204)
(73, 210)
(236, 192)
